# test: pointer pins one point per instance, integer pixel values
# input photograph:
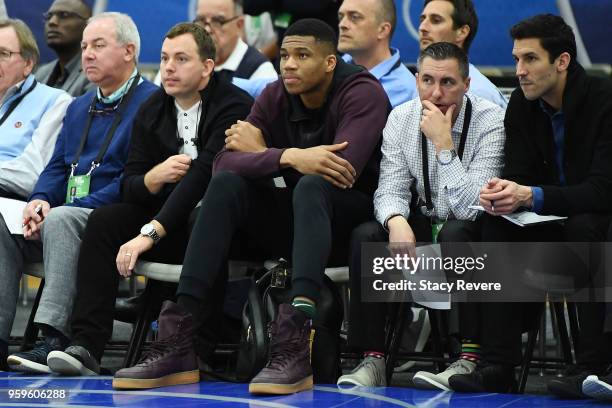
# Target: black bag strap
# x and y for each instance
(111, 132)
(429, 207)
(16, 102)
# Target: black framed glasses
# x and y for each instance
(62, 15)
(103, 111)
(215, 23)
(6, 55)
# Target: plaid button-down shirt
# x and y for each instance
(454, 186)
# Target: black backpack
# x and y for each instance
(261, 308)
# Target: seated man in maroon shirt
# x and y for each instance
(292, 181)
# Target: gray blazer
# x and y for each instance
(76, 84)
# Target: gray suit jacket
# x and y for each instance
(76, 84)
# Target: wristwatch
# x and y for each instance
(148, 230)
(444, 157)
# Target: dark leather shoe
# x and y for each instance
(486, 378)
(170, 360)
(288, 369)
(74, 361)
(569, 386)
(128, 309)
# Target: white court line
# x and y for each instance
(249, 401)
(365, 394)
(52, 404)
(58, 377)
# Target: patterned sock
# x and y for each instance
(470, 350)
(375, 354)
(305, 306)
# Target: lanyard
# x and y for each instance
(111, 132)
(428, 208)
(393, 68)
(16, 102)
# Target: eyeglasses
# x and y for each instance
(104, 111)
(6, 55)
(215, 23)
(62, 15)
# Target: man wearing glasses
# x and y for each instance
(30, 113)
(224, 20)
(83, 174)
(64, 24)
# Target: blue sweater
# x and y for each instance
(104, 187)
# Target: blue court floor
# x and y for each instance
(97, 392)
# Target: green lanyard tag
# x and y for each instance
(282, 20)
(435, 230)
(78, 187)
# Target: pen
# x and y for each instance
(37, 210)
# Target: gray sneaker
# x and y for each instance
(371, 372)
(74, 361)
(430, 381)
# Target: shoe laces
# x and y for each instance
(368, 364)
(459, 365)
(160, 348)
(40, 351)
(281, 353)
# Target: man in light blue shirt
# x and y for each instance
(455, 21)
(366, 28)
(31, 113)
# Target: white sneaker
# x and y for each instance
(595, 387)
(430, 381)
(370, 372)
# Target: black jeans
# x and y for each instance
(503, 323)
(107, 229)
(367, 320)
(308, 225)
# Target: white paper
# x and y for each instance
(420, 298)
(527, 218)
(12, 212)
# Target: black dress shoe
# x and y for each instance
(127, 309)
(569, 386)
(486, 378)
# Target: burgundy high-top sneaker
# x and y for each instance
(288, 369)
(170, 360)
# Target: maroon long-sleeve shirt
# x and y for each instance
(355, 111)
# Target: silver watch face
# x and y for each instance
(445, 156)
(147, 229)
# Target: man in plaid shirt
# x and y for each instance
(464, 140)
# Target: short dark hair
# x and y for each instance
(442, 51)
(312, 27)
(388, 12)
(464, 13)
(206, 46)
(555, 36)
